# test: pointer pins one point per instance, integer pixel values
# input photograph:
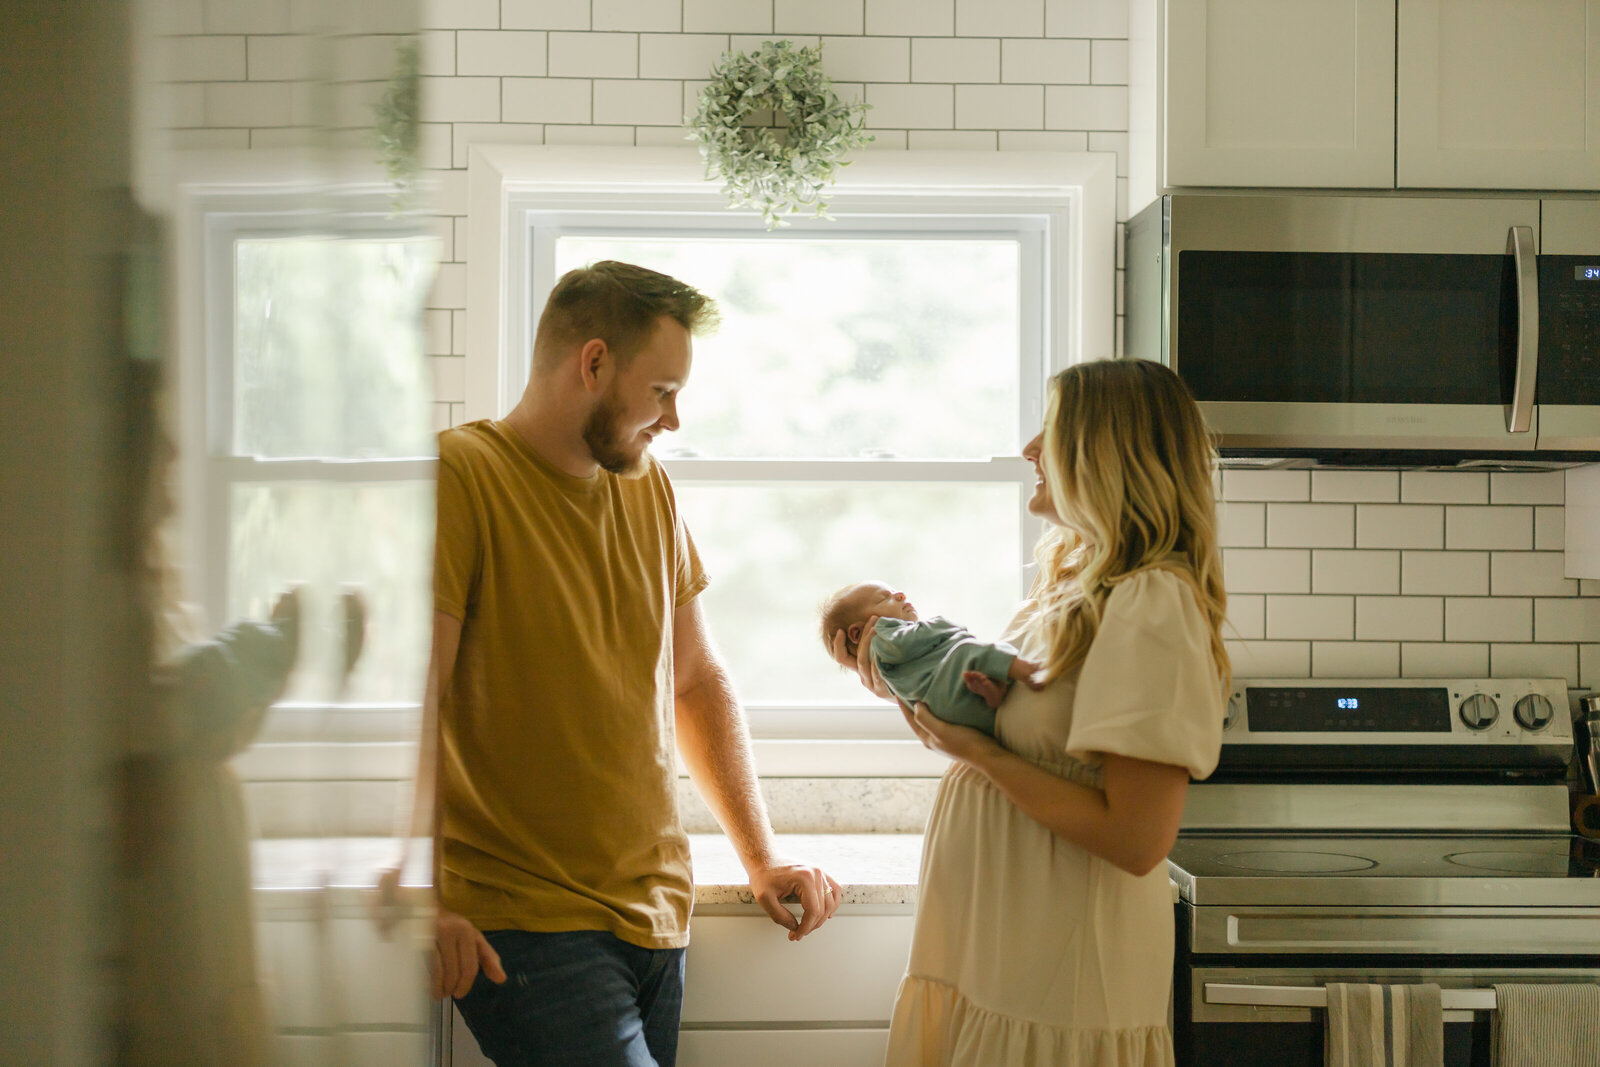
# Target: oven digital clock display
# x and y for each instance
(1317, 709)
(1586, 272)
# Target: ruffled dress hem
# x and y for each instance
(936, 1026)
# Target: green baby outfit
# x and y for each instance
(924, 660)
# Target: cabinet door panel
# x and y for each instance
(1264, 93)
(1499, 94)
(782, 1048)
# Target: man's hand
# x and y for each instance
(459, 951)
(819, 895)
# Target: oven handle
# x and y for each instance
(1315, 996)
(1519, 413)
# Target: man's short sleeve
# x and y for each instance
(690, 576)
(457, 547)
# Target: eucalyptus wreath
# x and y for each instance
(781, 168)
(395, 121)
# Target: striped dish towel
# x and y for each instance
(1384, 1026)
(1547, 1025)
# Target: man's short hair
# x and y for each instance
(618, 303)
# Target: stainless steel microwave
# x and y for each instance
(1376, 330)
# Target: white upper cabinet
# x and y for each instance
(1499, 94)
(1269, 93)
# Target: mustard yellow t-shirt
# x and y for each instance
(558, 804)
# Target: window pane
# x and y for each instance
(775, 552)
(843, 347)
(377, 538)
(328, 347)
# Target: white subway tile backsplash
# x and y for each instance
(1399, 526)
(544, 15)
(521, 53)
(1092, 107)
(1266, 485)
(1488, 527)
(911, 17)
(1488, 619)
(449, 378)
(594, 55)
(917, 107)
(249, 103)
(1439, 660)
(441, 417)
(458, 332)
(469, 14)
(660, 136)
(1566, 619)
(1365, 487)
(436, 330)
(819, 16)
(196, 140)
(449, 286)
(727, 16)
(460, 99)
(680, 55)
(1270, 659)
(1266, 570)
(1043, 141)
(546, 100)
(1034, 59)
(943, 140)
(1311, 525)
(1247, 617)
(245, 16)
(1534, 661)
(1589, 666)
(204, 59)
(436, 52)
(1358, 571)
(1116, 141)
(867, 59)
(895, 139)
(467, 134)
(988, 107)
(955, 59)
(1355, 659)
(999, 18)
(1444, 573)
(1588, 587)
(1109, 63)
(656, 16)
(1528, 487)
(1314, 618)
(1241, 525)
(612, 136)
(461, 240)
(1530, 574)
(1086, 18)
(1399, 618)
(1550, 529)
(1444, 487)
(749, 42)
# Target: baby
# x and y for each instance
(922, 659)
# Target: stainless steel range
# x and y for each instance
(1378, 831)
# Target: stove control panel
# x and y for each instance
(1427, 711)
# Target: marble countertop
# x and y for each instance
(876, 870)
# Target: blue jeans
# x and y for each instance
(585, 999)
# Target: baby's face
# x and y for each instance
(875, 598)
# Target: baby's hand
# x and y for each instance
(1027, 673)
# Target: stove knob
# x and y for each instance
(1479, 711)
(1233, 711)
(1534, 712)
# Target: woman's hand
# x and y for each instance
(958, 742)
(862, 663)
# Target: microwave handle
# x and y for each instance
(1519, 413)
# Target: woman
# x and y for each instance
(1044, 921)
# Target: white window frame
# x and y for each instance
(221, 196)
(1060, 206)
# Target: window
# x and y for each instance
(317, 463)
(861, 412)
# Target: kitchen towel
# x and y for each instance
(1384, 1026)
(1546, 1025)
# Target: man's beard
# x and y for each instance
(605, 443)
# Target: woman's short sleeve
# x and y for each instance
(1149, 688)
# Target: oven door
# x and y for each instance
(1369, 324)
(1259, 1016)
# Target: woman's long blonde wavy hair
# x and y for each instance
(1128, 462)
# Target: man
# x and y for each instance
(569, 651)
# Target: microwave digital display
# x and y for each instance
(1586, 272)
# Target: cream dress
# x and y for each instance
(1028, 950)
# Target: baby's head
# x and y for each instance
(851, 607)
